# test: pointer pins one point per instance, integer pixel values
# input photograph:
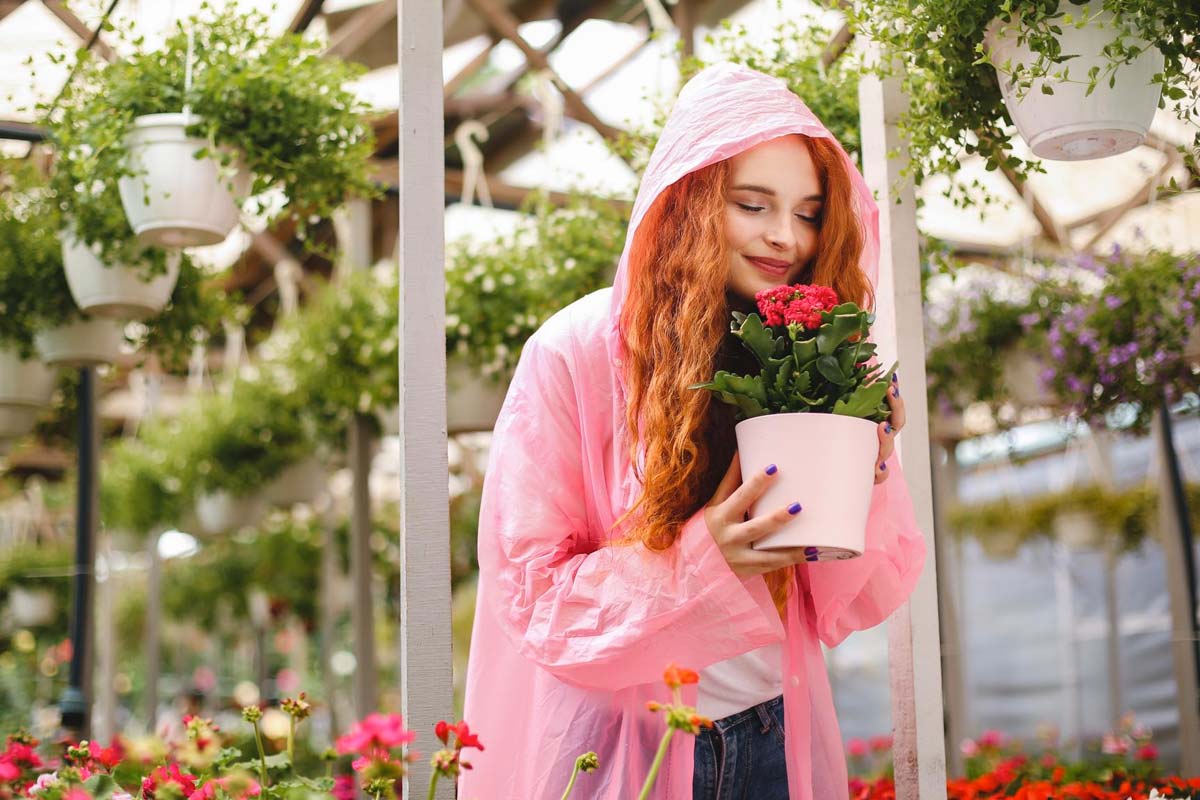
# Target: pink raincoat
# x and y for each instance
(571, 637)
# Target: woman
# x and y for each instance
(612, 535)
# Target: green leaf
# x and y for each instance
(804, 351)
(831, 371)
(867, 402)
(759, 340)
(744, 391)
(836, 330)
(100, 787)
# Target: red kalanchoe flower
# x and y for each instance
(676, 676)
(377, 731)
(168, 774)
(799, 304)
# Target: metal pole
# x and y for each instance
(362, 610)
(76, 700)
(945, 494)
(153, 621)
(1179, 551)
(425, 650)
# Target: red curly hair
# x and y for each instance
(679, 262)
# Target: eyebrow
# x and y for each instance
(749, 187)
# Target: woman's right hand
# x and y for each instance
(726, 513)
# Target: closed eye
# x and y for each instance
(750, 208)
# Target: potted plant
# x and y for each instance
(1123, 346)
(224, 110)
(25, 383)
(499, 292)
(956, 103)
(818, 382)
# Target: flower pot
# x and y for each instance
(174, 199)
(30, 607)
(85, 342)
(1022, 375)
(298, 483)
(16, 421)
(473, 401)
(24, 382)
(220, 511)
(1078, 529)
(115, 291)
(1067, 125)
(826, 463)
(1001, 544)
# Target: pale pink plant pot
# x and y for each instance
(827, 464)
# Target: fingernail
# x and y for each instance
(895, 377)
(883, 466)
(771, 470)
(896, 390)
(794, 509)
(811, 554)
(887, 428)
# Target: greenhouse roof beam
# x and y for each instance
(91, 38)
(505, 195)
(1109, 219)
(463, 75)
(305, 14)
(361, 27)
(505, 24)
(1045, 219)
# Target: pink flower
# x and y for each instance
(880, 744)
(969, 748)
(1114, 745)
(168, 774)
(1147, 752)
(856, 748)
(343, 787)
(76, 793)
(991, 738)
(377, 731)
(9, 772)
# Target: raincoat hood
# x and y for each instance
(722, 111)
(571, 632)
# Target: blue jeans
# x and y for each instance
(742, 757)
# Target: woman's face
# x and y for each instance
(772, 215)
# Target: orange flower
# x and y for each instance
(676, 676)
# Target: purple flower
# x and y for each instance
(1112, 301)
(1030, 320)
(1074, 384)
(1058, 351)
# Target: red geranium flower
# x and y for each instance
(168, 774)
(676, 676)
(377, 731)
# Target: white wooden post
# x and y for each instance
(425, 657)
(950, 586)
(914, 648)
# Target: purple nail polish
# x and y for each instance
(895, 377)
(794, 509)
(887, 428)
(883, 466)
(812, 554)
(896, 390)
(772, 469)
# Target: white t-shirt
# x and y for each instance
(741, 682)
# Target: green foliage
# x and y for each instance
(38, 567)
(955, 104)
(499, 292)
(828, 369)
(274, 105)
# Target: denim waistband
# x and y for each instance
(760, 712)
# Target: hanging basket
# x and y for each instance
(31, 607)
(1022, 375)
(83, 343)
(298, 483)
(172, 198)
(115, 291)
(24, 382)
(473, 401)
(834, 489)
(16, 421)
(220, 511)
(1070, 125)
(1001, 545)
(1079, 530)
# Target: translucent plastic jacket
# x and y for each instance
(571, 637)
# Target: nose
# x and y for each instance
(779, 234)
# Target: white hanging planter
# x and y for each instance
(115, 291)
(16, 421)
(30, 607)
(298, 483)
(1067, 125)
(1078, 529)
(174, 199)
(835, 490)
(473, 401)
(220, 511)
(24, 382)
(1022, 375)
(85, 342)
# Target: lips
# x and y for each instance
(771, 266)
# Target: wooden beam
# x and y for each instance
(304, 15)
(505, 195)
(1049, 227)
(361, 27)
(59, 9)
(9, 6)
(505, 24)
(467, 72)
(1109, 219)
(837, 46)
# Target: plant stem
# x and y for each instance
(433, 779)
(262, 757)
(291, 746)
(658, 759)
(571, 784)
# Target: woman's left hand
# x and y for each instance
(888, 430)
